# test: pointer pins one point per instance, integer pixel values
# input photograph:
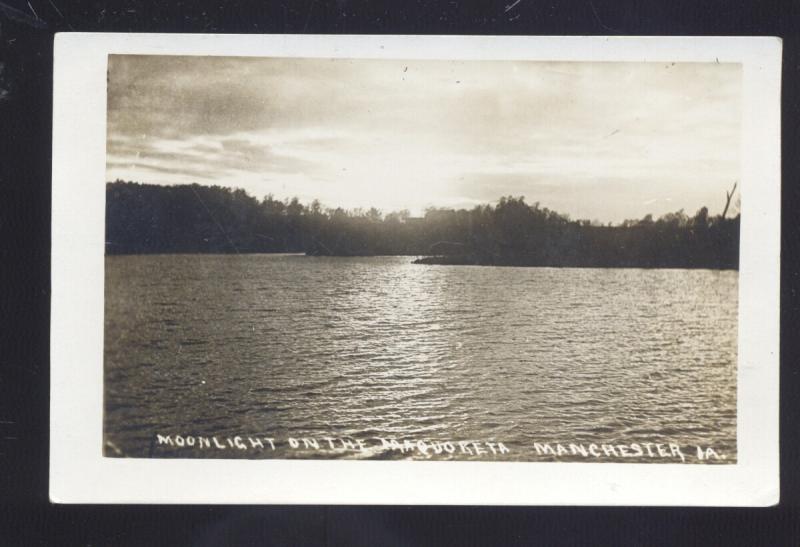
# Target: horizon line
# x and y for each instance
(384, 213)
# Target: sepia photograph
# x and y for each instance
(415, 270)
(421, 259)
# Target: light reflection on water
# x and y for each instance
(295, 346)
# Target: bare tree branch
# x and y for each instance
(728, 195)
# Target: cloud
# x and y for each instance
(206, 160)
(149, 167)
(409, 134)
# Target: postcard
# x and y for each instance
(415, 270)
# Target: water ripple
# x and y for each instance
(379, 347)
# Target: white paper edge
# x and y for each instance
(79, 473)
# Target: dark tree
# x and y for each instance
(142, 218)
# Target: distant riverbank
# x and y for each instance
(195, 219)
(522, 261)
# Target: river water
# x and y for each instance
(238, 349)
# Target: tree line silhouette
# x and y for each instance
(146, 218)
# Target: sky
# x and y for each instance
(597, 141)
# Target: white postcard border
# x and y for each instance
(80, 474)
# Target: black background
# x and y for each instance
(26, 516)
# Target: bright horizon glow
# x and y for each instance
(600, 141)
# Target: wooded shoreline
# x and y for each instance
(152, 219)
